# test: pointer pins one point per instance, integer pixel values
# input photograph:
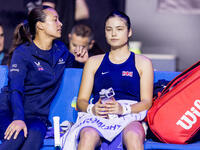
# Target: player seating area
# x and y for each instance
(65, 101)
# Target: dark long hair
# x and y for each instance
(25, 31)
(121, 15)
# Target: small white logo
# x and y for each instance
(40, 68)
(104, 73)
(14, 65)
(11, 70)
(37, 63)
(61, 61)
(14, 68)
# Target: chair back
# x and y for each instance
(64, 102)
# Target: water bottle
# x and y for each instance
(56, 124)
(106, 95)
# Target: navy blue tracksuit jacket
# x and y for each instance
(34, 78)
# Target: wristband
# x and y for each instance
(89, 109)
(126, 109)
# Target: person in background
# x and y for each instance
(31, 4)
(130, 76)
(50, 3)
(37, 63)
(82, 35)
(69, 11)
(3, 51)
(81, 8)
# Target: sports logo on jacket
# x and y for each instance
(14, 67)
(127, 73)
(39, 67)
(61, 61)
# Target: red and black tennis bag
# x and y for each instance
(175, 114)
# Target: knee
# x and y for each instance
(13, 144)
(89, 134)
(133, 137)
(37, 133)
(133, 141)
(20, 138)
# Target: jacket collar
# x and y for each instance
(56, 50)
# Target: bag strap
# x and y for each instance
(179, 78)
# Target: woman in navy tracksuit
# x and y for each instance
(35, 71)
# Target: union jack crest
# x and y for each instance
(127, 73)
(40, 69)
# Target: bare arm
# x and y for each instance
(81, 10)
(145, 69)
(87, 82)
(86, 88)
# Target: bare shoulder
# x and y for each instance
(143, 62)
(141, 59)
(94, 62)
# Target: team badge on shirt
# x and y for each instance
(127, 73)
(61, 61)
(40, 68)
